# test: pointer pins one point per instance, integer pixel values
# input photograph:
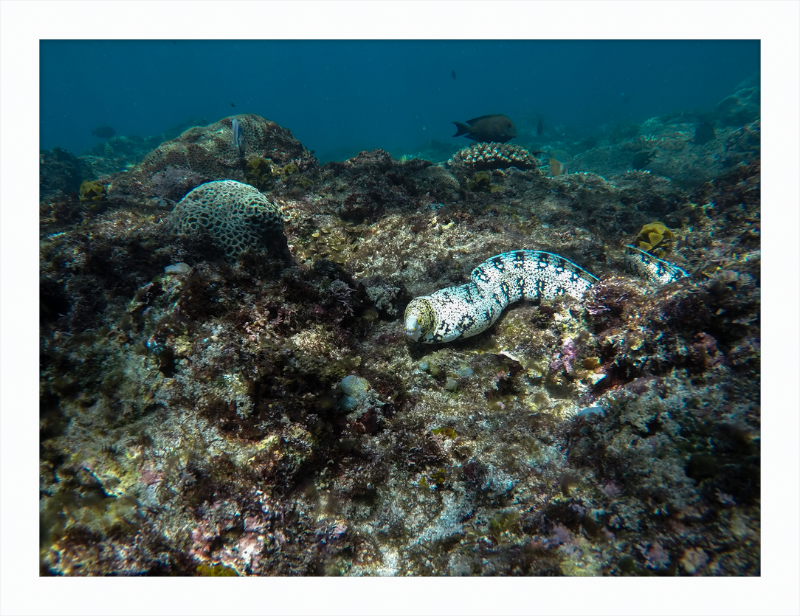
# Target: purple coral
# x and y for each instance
(340, 292)
(561, 535)
(655, 555)
(611, 489)
(566, 355)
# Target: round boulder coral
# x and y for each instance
(236, 216)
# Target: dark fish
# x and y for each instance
(642, 159)
(453, 73)
(487, 128)
(704, 132)
(232, 105)
(539, 128)
(104, 132)
(238, 137)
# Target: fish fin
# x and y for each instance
(483, 117)
(462, 129)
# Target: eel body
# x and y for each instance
(644, 264)
(469, 309)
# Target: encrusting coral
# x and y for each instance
(488, 156)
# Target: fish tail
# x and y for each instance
(463, 129)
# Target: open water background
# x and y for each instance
(340, 97)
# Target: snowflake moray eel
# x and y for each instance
(469, 309)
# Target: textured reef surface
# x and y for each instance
(233, 393)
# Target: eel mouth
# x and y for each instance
(412, 329)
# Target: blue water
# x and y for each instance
(339, 97)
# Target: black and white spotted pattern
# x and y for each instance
(644, 264)
(461, 312)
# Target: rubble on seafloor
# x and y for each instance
(266, 415)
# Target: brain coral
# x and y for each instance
(486, 156)
(209, 152)
(236, 216)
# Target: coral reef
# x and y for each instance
(742, 107)
(208, 152)
(174, 183)
(433, 150)
(60, 173)
(363, 188)
(669, 146)
(210, 407)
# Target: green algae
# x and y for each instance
(216, 570)
(289, 169)
(92, 190)
(656, 239)
(446, 432)
(259, 172)
(504, 523)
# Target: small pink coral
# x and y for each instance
(611, 489)
(566, 355)
(561, 535)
